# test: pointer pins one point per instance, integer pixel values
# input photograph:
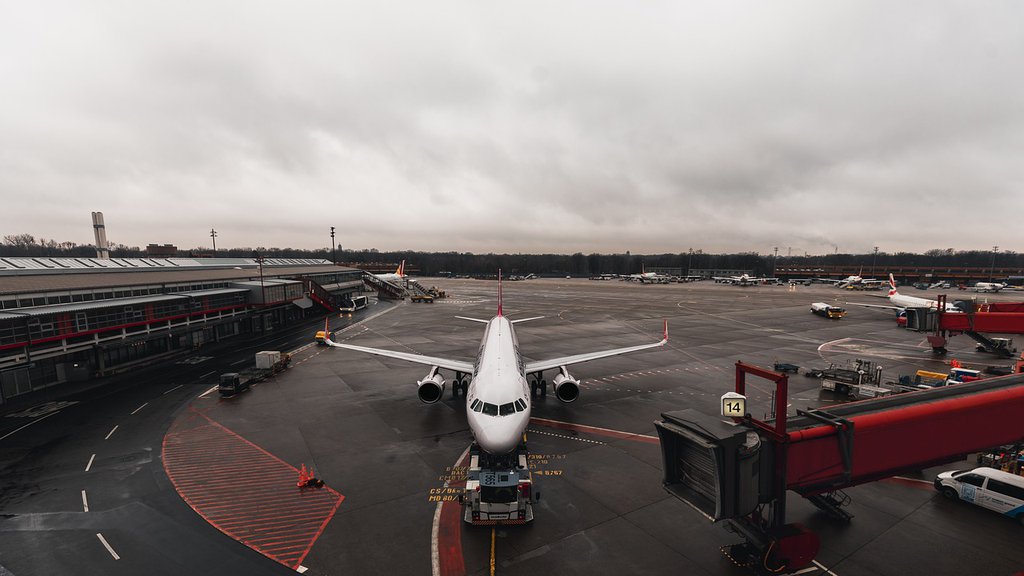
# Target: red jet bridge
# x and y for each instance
(989, 318)
(740, 472)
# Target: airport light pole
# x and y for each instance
(992, 269)
(873, 259)
(775, 259)
(213, 234)
(263, 289)
(688, 260)
(334, 256)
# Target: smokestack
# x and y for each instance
(102, 248)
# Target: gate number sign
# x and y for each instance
(734, 405)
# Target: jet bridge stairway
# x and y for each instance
(385, 290)
(741, 471)
(319, 294)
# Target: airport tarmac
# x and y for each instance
(390, 462)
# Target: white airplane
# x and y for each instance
(646, 277)
(395, 277)
(988, 286)
(742, 280)
(498, 387)
(901, 302)
(851, 280)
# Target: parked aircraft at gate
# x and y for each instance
(499, 385)
(395, 277)
(902, 302)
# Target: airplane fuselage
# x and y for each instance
(498, 399)
(914, 302)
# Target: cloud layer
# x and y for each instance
(518, 127)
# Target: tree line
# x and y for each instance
(578, 264)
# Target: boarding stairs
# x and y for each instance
(319, 294)
(385, 290)
(416, 289)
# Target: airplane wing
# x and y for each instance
(587, 357)
(889, 307)
(456, 365)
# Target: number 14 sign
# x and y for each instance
(734, 405)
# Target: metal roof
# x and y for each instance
(46, 265)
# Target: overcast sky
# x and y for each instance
(580, 125)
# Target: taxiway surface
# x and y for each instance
(356, 420)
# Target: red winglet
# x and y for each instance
(499, 291)
(665, 337)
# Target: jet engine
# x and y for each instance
(431, 388)
(567, 388)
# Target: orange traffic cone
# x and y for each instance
(303, 476)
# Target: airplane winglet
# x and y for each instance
(665, 337)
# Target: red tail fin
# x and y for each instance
(499, 291)
(401, 269)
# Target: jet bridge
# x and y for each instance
(988, 318)
(740, 470)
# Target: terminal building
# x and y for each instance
(73, 319)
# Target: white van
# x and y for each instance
(986, 487)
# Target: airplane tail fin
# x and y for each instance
(401, 269)
(892, 285)
(499, 292)
(665, 337)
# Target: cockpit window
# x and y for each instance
(476, 406)
(490, 409)
(520, 405)
(507, 409)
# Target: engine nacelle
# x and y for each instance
(431, 388)
(567, 388)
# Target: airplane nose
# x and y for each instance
(497, 441)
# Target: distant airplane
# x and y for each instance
(852, 280)
(901, 302)
(988, 286)
(499, 385)
(647, 277)
(742, 280)
(396, 277)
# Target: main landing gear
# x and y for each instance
(538, 386)
(460, 384)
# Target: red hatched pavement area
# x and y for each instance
(245, 491)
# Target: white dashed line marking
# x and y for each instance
(89, 465)
(535, 431)
(107, 546)
(139, 408)
(111, 433)
(85, 502)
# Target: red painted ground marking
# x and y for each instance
(449, 533)
(245, 491)
(595, 430)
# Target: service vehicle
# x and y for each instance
(268, 363)
(499, 489)
(356, 303)
(422, 298)
(989, 488)
(827, 310)
(231, 383)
